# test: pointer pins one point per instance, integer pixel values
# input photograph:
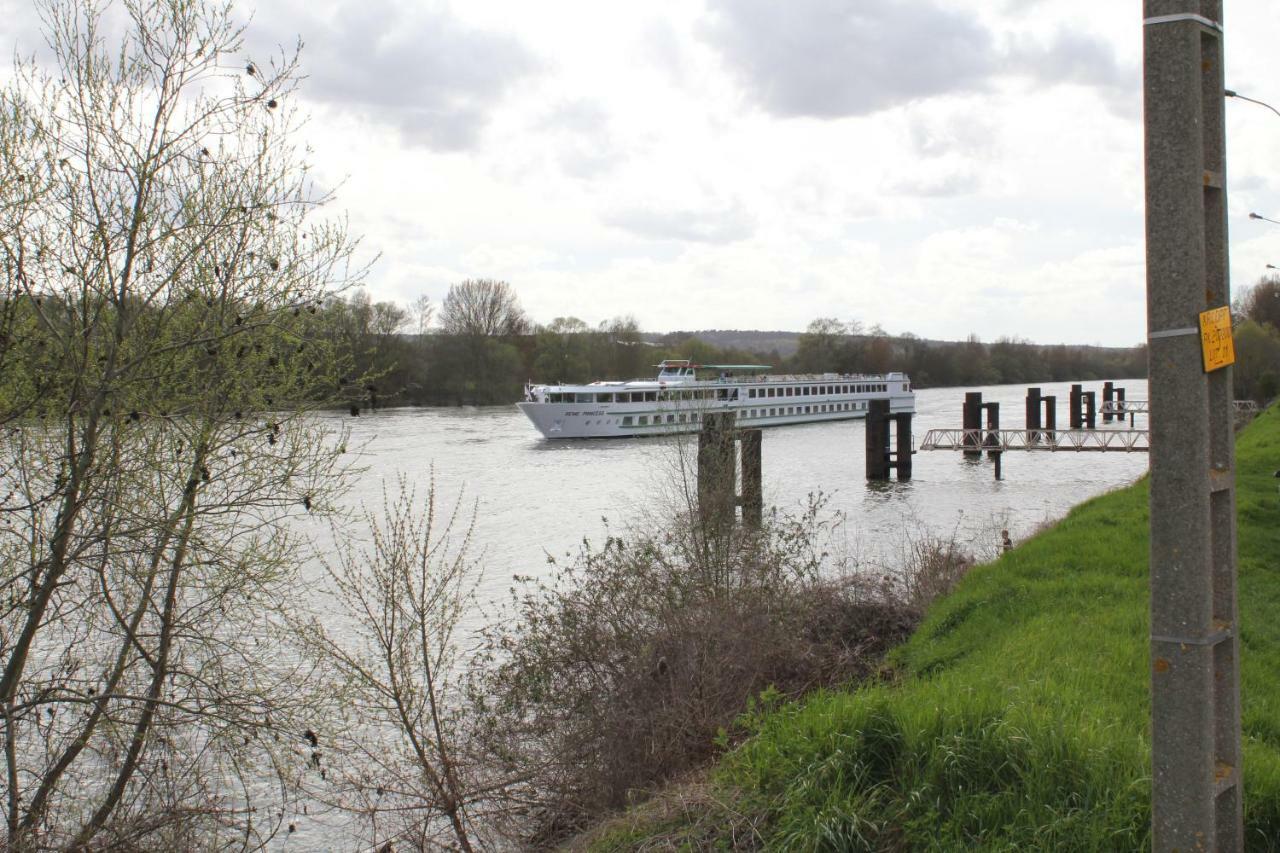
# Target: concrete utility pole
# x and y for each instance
(1195, 647)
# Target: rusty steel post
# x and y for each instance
(716, 481)
(1034, 405)
(752, 478)
(877, 427)
(902, 457)
(972, 419)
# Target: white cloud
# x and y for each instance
(937, 166)
(413, 66)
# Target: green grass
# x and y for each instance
(1020, 718)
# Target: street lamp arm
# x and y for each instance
(1231, 93)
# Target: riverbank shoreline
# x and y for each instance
(1017, 715)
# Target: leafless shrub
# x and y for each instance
(402, 756)
(931, 568)
(628, 667)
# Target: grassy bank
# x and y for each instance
(1018, 714)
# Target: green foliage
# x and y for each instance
(1256, 373)
(1020, 718)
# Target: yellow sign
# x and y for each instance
(1215, 338)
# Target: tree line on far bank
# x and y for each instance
(484, 347)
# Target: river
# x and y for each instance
(536, 497)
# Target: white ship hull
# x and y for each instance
(633, 409)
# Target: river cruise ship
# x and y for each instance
(676, 401)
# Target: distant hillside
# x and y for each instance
(786, 343)
(753, 340)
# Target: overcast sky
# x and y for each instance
(939, 167)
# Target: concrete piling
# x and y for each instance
(1196, 797)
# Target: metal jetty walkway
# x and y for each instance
(1141, 407)
(1000, 440)
(1124, 407)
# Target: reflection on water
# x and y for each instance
(536, 497)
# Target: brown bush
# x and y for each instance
(631, 665)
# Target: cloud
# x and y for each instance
(420, 69)
(965, 130)
(578, 137)
(937, 183)
(832, 58)
(1072, 57)
(723, 224)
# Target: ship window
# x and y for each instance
(604, 398)
(751, 393)
(651, 396)
(627, 421)
(771, 391)
(644, 420)
(671, 419)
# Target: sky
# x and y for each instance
(939, 167)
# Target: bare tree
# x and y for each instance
(160, 269)
(483, 307)
(408, 765)
(421, 313)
